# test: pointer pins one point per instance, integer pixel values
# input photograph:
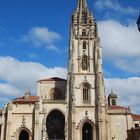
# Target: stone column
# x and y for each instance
(36, 122)
(65, 129)
(44, 135)
(3, 126)
(8, 123)
(73, 131)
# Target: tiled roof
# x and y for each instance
(136, 117)
(114, 107)
(26, 100)
(53, 79)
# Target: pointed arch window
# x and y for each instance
(85, 63)
(86, 93)
(84, 45)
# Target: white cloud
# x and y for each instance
(20, 75)
(7, 89)
(4, 100)
(119, 40)
(132, 65)
(115, 6)
(42, 36)
(120, 43)
(127, 90)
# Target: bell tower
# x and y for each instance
(85, 88)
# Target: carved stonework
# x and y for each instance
(23, 124)
(86, 113)
(36, 106)
(9, 107)
(84, 62)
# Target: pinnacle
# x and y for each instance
(82, 6)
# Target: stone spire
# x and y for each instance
(82, 6)
(83, 11)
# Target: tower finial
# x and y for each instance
(82, 6)
(27, 93)
(83, 12)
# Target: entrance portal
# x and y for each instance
(55, 125)
(24, 135)
(87, 132)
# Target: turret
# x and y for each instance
(27, 93)
(112, 99)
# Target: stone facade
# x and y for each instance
(72, 109)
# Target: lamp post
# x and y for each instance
(138, 22)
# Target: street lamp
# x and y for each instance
(138, 23)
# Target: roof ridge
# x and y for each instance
(53, 79)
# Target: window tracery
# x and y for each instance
(84, 63)
(83, 32)
(86, 93)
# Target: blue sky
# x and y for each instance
(34, 41)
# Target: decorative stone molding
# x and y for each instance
(9, 106)
(36, 106)
(86, 119)
(23, 124)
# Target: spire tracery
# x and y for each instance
(82, 14)
(82, 6)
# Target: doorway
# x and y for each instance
(24, 135)
(55, 125)
(87, 131)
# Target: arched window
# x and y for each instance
(84, 63)
(56, 94)
(83, 32)
(84, 45)
(113, 101)
(86, 93)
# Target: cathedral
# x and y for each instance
(75, 108)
